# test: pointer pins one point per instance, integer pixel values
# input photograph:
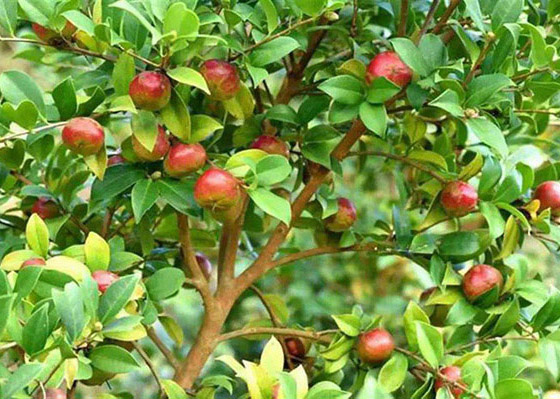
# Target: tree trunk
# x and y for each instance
(205, 343)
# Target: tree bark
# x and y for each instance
(205, 343)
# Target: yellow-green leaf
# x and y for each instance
(37, 235)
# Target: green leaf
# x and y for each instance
(70, 307)
(349, 324)
(413, 314)
(411, 55)
(483, 88)
(64, 96)
(8, 15)
(36, 331)
(117, 180)
(178, 194)
(181, 22)
(513, 388)
(242, 105)
(176, 117)
(489, 134)
(344, 89)
(272, 357)
(496, 223)
(123, 74)
(449, 102)
(165, 283)
(189, 77)
(126, 6)
(21, 378)
(508, 320)
(113, 359)
(37, 235)
(272, 169)
(393, 373)
(273, 51)
(98, 254)
(81, 21)
(203, 126)
(116, 297)
(506, 11)
(272, 204)
(374, 117)
(145, 129)
(311, 7)
(6, 302)
(430, 343)
(271, 14)
(173, 390)
(144, 195)
(381, 90)
(17, 86)
(124, 260)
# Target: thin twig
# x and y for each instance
(149, 363)
(321, 336)
(446, 15)
(427, 21)
(404, 18)
(163, 348)
(404, 160)
(487, 46)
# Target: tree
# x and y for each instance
(235, 126)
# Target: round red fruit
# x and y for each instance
(296, 348)
(44, 34)
(390, 66)
(104, 279)
(222, 79)
(548, 193)
(452, 375)
(204, 263)
(150, 91)
(161, 147)
(459, 198)
(480, 279)
(375, 346)
(116, 160)
(33, 262)
(217, 190)
(84, 136)
(45, 208)
(272, 145)
(184, 159)
(344, 218)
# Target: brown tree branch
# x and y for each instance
(231, 234)
(321, 336)
(169, 356)
(149, 363)
(427, 21)
(446, 15)
(404, 18)
(405, 160)
(190, 264)
(487, 46)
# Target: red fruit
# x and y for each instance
(184, 159)
(49, 36)
(459, 198)
(344, 218)
(276, 391)
(375, 346)
(33, 262)
(548, 193)
(271, 145)
(204, 264)
(45, 208)
(222, 78)
(160, 148)
(217, 190)
(104, 279)
(295, 347)
(480, 279)
(150, 91)
(390, 66)
(116, 160)
(84, 136)
(453, 374)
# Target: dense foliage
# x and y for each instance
(159, 149)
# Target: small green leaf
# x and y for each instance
(189, 77)
(37, 235)
(165, 283)
(98, 254)
(116, 297)
(113, 359)
(374, 117)
(272, 204)
(393, 373)
(144, 195)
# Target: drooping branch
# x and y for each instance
(189, 259)
(322, 336)
(149, 363)
(163, 348)
(405, 160)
